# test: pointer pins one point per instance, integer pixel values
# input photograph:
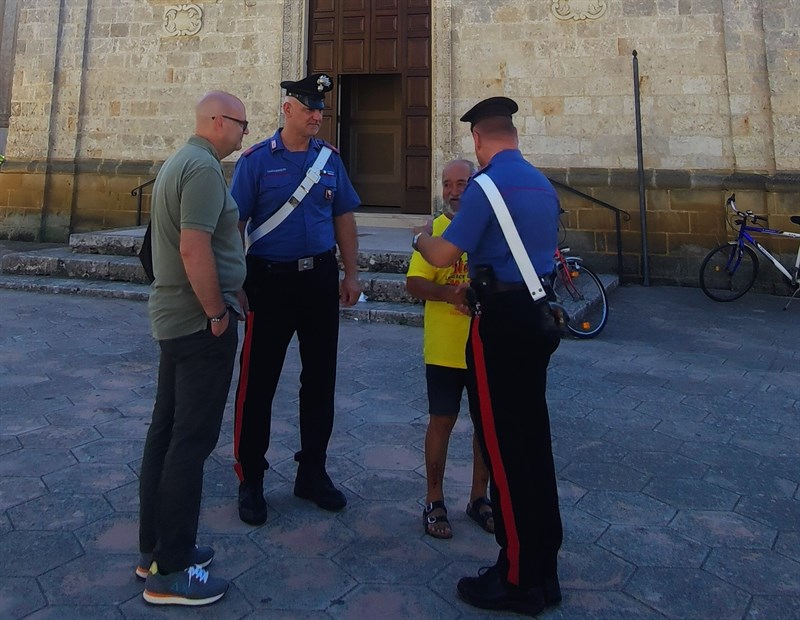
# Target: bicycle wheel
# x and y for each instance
(728, 272)
(584, 296)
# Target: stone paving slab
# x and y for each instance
(675, 438)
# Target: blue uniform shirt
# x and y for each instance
(267, 174)
(533, 205)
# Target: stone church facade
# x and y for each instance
(95, 94)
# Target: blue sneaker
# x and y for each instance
(192, 586)
(202, 558)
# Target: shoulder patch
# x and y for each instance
(255, 147)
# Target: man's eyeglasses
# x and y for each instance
(242, 124)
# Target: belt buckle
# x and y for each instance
(305, 264)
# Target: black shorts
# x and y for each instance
(445, 387)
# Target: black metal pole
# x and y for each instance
(640, 160)
(618, 221)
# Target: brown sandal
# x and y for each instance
(429, 520)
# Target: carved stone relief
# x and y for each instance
(578, 9)
(183, 20)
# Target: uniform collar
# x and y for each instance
(506, 155)
(276, 142)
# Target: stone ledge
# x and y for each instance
(655, 178)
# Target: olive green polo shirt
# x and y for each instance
(190, 192)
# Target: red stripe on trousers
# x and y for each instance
(493, 448)
(241, 392)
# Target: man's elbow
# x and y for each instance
(441, 258)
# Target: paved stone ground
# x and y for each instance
(676, 439)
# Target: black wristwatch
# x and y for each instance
(218, 319)
(415, 240)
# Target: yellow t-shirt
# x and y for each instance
(446, 329)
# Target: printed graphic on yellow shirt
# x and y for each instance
(446, 328)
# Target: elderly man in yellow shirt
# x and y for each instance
(445, 337)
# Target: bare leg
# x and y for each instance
(437, 438)
(480, 478)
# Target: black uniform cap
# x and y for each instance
(488, 108)
(310, 91)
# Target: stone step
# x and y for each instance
(367, 311)
(105, 264)
(372, 310)
(62, 263)
(117, 241)
(386, 250)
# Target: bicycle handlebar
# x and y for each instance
(746, 215)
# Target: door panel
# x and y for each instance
(325, 58)
(354, 5)
(356, 24)
(353, 57)
(418, 132)
(379, 53)
(385, 56)
(374, 140)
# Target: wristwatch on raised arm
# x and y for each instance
(415, 240)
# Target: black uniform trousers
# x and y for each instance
(284, 301)
(194, 376)
(507, 355)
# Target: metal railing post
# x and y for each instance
(618, 214)
(640, 159)
(137, 191)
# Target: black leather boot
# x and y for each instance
(490, 591)
(313, 483)
(252, 505)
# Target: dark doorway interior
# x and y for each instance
(371, 137)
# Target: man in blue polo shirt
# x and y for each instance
(292, 231)
(508, 352)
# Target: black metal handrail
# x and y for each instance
(618, 215)
(137, 191)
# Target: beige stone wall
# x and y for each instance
(719, 78)
(782, 34)
(102, 93)
(133, 96)
(573, 81)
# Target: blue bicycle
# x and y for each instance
(730, 270)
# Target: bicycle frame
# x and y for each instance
(565, 262)
(745, 237)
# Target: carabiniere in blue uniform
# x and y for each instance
(508, 352)
(292, 287)
(267, 174)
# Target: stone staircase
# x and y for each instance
(105, 264)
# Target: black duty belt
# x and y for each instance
(505, 287)
(307, 263)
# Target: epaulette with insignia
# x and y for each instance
(255, 147)
(329, 145)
